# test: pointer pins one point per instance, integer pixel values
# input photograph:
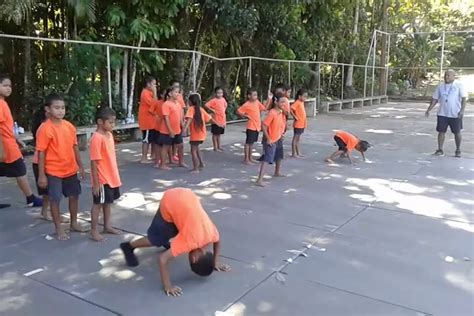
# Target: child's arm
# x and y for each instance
(349, 157)
(168, 126)
(265, 133)
(188, 123)
(169, 289)
(213, 121)
(219, 266)
(42, 180)
(363, 155)
(2, 151)
(79, 162)
(95, 178)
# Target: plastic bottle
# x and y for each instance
(15, 129)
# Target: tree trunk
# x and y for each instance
(132, 80)
(116, 84)
(125, 81)
(201, 74)
(355, 34)
(74, 21)
(383, 57)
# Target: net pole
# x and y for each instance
(318, 96)
(109, 77)
(373, 62)
(194, 71)
(250, 71)
(387, 65)
(342, 83)
(289, 73)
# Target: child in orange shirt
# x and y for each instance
(170, 128)
(346, 142)
(217, 106)
(11, 159)
(182, 103)
(273, 129)
(196, 118)
(251, 110)
(104, 172)
(300, 123)
(156, 110)
(180, 216)
(59, 163)
(146, 119)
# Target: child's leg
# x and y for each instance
(201, 161)
(246, 154)
(250, 154)
(214, 141)
(95, 212)
(261, 174)
(294, 150)
(219, 142)
(73, 210)
(195, 157)
(298, 148)
(60, 233)
(157, 150)
(180, 149)
(164, 152)
(145, 147)
(143, 242)
(278, 169)
(170, 155)
(108, 229)
(44, 209)
(127, 248)
(334, 155)
(24, 186)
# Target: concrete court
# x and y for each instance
(393, 236)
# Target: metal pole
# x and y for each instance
(342, 83)
(386, 65)
(373, 62)
(250, 71)
(365, 81)
(289, 73)
(442, 57)
(318, 96)
(109, 76)
(194, 71)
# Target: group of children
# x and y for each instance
(162, 117)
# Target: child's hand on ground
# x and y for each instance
(173, 291)
(222, 267)
(42, 182)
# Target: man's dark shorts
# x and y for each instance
(272, 153)
(340, 143)
(252, 136)
(160, 231)
(67, 187)
(14, 169)
(167, 140)
(454, 123)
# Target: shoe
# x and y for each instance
(130, 257)
(4, 205)
(439, 152)
(457, 153)
(34, 201)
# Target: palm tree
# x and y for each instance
(83, 9)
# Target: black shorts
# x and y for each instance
(454, 123)
(272, 153)
(160, 231)
(252, 136)
(41, 191)
(146, 136)
(217, 130)
(298, 131)
(14, 169)
(107, 195)
(153, 136)
(166, 140)
(340, 143)
(196, 142)
(67, 187)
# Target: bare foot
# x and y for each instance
(145, 161)
(253, 161)
(220, 150)
(111, 230)
(164, 168)
(156, 166)
(45, 216)
(201, 166)
(61, 235)
(183, 165)
(96, 236)
(329, 160)
(293, 156)
(261, 184)
(194, 171)
(78, 228)
(248, 163)
(279, 175)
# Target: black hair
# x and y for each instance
(168, 92)
(149, 79)
(38, 118)
(300, 92)
(195, 100)
(275, 100)
(280, 86)
(204, 265)
(363, 145)
(3, 77)
(250, 90)
(174, 81)
(51, 98)
(286, 87)
(104, 113)
(217, 89)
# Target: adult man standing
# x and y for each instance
(452, 98)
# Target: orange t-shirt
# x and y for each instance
(182, 207)
(218, 106)
(350, 140)
(252, 111)
(274, 123)
(57, 141)
(173, 110)
(102, 151)
(300, 114)
(146, 120)
(181, 101)
(10, 147)
(198, 134)
(156, 109)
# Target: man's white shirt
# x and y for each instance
(449, 97)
